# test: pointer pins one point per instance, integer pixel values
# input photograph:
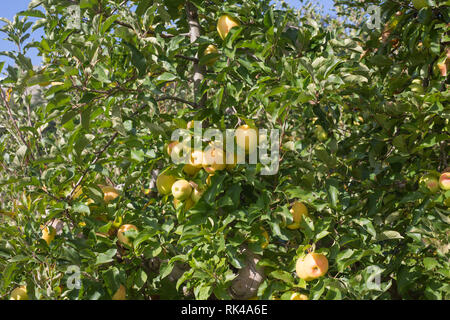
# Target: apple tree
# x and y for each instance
(362, 115)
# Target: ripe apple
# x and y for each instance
(419, 4)
(444, 181)
(298, 210)
(196, 194)
(120, 293)
(181, 190)
(170, 147)
(19, 293)
(320, 133)
(312, 266)
(109, 193)
(431, 182)
(298, 296)
(48, 235)
(442, 69)
(121, 236)
(211, 49)
(190, 169)
(225, 24)
(213, 160)
(164, 183)
(247, 138)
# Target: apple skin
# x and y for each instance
(19, 293)
(210, 50)
(196, 195)
(444, 181)
(120, 233)
(298, 296)
(164, 183)
(225, 24)
(431, 182)
(170, 147)
(419, 4)
(213, 160)
(181, 190)
(120, 294)
(48, 236)
(247, 138)
(298, 210)
(312, 266)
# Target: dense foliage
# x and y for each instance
(363, 114)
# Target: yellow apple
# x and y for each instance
(48, 234)
(444, 181)
(120, 293)
(181, 190)
(312, 266)
(298, 210)
(225, 24)
(247, 138)
(213, 160)
(211, 49)
(298, 296)
(121, 236)
(164, 183)
(196, 194)
(170, 147)
(19, 293)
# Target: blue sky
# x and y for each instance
(13, 6)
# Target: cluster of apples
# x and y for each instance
(212, 160)
(435, 181)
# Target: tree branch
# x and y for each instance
(194, 32)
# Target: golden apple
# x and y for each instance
(298, 210)
(120, 293)
(298, 296)
(164, 183)
(211, 49)
(225, 24)
(19, 293)
(121, 236)
(444, 181)
(170, 147)
(181, 190)
(196, 194)
(213, 160)
(312, 266)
